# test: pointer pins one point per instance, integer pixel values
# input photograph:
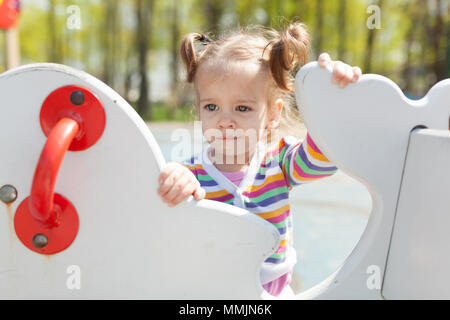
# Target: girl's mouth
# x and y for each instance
(227, 138)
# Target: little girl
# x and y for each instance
(244, 84)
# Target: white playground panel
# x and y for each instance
(131, 245)
(366, 130)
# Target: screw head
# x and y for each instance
(8, 193)
(77, 97)
(40, 240)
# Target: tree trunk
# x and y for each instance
(86, 43)
(213, 13)
(447, 44)
(407, 74)
(370, 43)
(342, 29)
(175, 36)
(110, 43)
(447, 54)
(129, 71)
(318, 47)
(144, 10)
(435, 28)
(55, 50)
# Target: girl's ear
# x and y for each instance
(279, 103)
(275, 114)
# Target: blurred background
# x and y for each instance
(132, 45)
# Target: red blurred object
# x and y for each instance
(72, 118)
(9, 13)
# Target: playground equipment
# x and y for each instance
(93, 226)
(371, 131)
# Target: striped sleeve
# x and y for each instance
(190, 164)
(303, 162)
(199, 172)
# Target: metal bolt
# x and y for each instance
(8, 193)
(77, 97)
(40, 240)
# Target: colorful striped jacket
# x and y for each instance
(264, 190)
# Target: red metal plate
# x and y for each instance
(59, 237)
(49, 223)
(87, 111)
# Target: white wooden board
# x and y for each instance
(364, 129)
(130, 244)
(418, 263)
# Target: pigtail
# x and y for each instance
(288, 52)
(188, 52)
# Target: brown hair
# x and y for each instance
(280, 53)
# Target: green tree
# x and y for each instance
(144, 12)
(110, 39)
(370, 44)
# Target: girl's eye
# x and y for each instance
(243, 108)
(211, 107)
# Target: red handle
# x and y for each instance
(73, 118)
(41, 203)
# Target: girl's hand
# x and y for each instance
(178, 183)
(343, 74)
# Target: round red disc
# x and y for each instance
(58, 237)
(77, 103)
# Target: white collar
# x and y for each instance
(210, 168)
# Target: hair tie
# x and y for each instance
(205, 38)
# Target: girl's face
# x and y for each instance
(234, 111)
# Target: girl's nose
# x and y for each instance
(226, 123)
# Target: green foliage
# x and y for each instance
(160, 112)
(406, 48)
